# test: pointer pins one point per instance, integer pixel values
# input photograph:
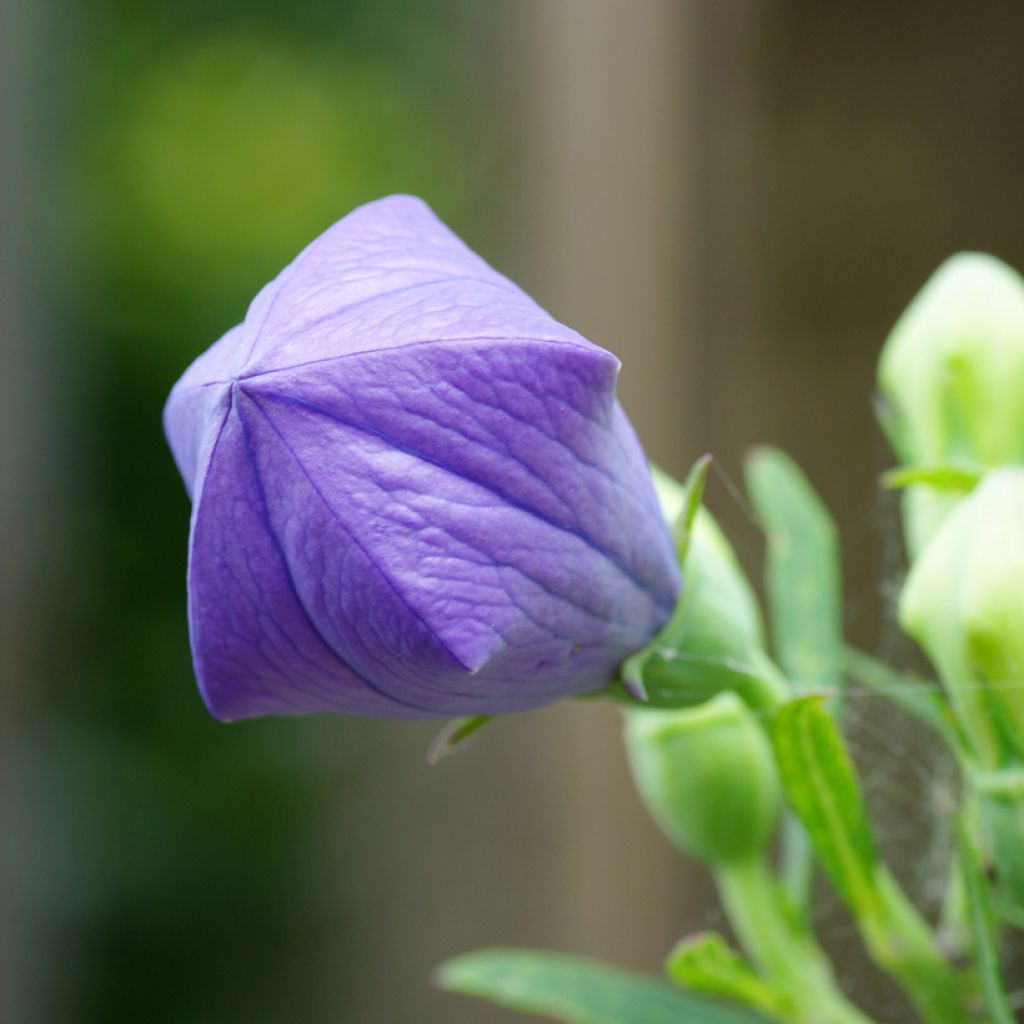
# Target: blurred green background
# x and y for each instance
(736, 198)
(190, 872)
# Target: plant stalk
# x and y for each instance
(782, 948)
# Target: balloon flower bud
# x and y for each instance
(414, 492)
(964, 604)
(951, 377)
(707, 775)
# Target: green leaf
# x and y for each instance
(706, 963)
(578, 991)
(802, 570)
(983, 931)
(920, 698)
(821, 786)
(803, 586)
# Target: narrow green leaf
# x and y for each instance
(802, 570)
(821, 786)
(983, 931)
(578, 991)
(682, 528)
(706, 963)
(917, 696)
(803, 586)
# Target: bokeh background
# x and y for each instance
(735, 196)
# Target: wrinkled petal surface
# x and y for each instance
(414, 492)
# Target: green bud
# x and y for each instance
(964, 604)
(951, 376)
(707, 776)
(715, 639)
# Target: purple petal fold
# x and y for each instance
(414, 493)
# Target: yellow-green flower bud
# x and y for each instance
(964, 604)
(707, 776)
(951, 376)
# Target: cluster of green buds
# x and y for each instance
(704, 749)
(952, 383)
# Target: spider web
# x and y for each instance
(909, 777)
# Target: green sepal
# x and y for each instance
(681, 678)
(693, 488)
(454, 733)
(714, 640)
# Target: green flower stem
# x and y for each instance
(983, 928)
(953, 929)
(785, 952)
(797, 867)
(900, 942)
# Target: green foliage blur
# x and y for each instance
(192, 876)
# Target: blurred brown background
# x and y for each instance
(736, 197)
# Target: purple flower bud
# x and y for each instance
(414, 492)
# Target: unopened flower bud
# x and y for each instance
(951, 377)
(414, 492)
(964, 604)
(708, 777)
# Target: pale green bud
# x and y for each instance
(964, 604)
(951, 376)
(707, 776)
